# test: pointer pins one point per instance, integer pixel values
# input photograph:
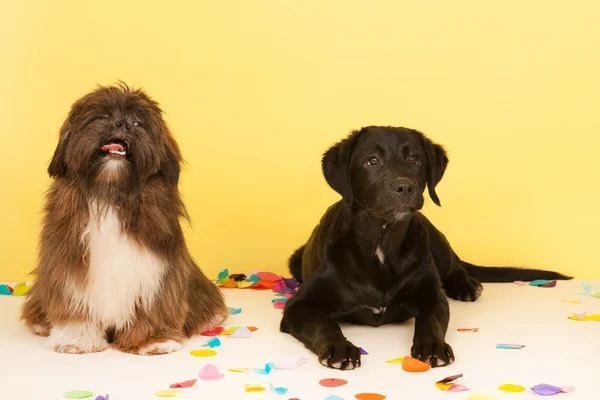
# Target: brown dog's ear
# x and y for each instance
(437, 161)
(336, 167)
(58, 166)
(170, 163)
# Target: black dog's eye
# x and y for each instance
(137, 123)
(373, 161)
(413, 159)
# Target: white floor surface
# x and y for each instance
(558, 351)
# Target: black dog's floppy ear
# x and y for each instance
(170, 164)
(336, 167)
(437, 161)
(58, 166)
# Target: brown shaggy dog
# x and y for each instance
(113, 264)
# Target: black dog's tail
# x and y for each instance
(510, 274)
(295, 264)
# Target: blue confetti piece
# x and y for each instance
(234, 311)
(510, 346)
(538, 282)
(334, 397)
(254, 279)
(212, 343)
(224, 274)
(278, 389)
(283, 299)
(5, 290)
(266, 370)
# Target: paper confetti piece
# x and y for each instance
(334, 397)
(280, 305)
(447, 383)
(237, 277)
(370, 396)
(6, 290)
(363, 351)
(549, 284)
(539, 282)
(457, 387)
(395, 360)
(510, 346)
(543, 389)
(20, 289)
(585, 317)
(479, 396)
(223, 274)
(210, 373)
(213, 332)
(252, 328)
(410, 364)
(290, 364)
(572, 301)
(284, 299)
(234, 311)
(509, 387)
(597, 295)
(266, 370)
(184, 384)
(332, 382)
(268, 276)
(243, 284)
(213, 342)
(567, 389)
(254, 388)
(254, 279)
(238, 369)
(242, 332)
(168, 393)
(105, 397)
(78, 394)
(278, 389)
(468, 329)
(521, 283)
(203, 353)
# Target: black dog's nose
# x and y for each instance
(403, 186)
(125, 124)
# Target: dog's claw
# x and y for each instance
(463, 288)
(434, 352)
(343, 355)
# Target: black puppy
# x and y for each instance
(374, 259)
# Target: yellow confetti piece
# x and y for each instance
(226, 333)
(20, 289)
(203, 353)
(444, 386)
(168, 393)
(395, 360)
(238, 369)
(509, 387)
(572, 301)
(243, 284)
(593, 317)
(254, 388)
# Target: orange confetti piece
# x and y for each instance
(252, 328)
(410, 364)
(370, 396)
(332, 382)
(467, 329)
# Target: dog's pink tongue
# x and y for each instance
(113, 147)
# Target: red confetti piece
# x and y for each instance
(213, 332)
(184, 384)
(332, 382)
(268, 276)
(279, 305)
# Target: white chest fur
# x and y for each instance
(121, 273)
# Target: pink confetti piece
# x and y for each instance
(458, 388)
(521, 283)
(567, 389)
(290, 364)
(280, 305)
(184, 384)
(210, 373)
(241, 332)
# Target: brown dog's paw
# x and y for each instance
(463, 288)
(157, 348)
(435, 352)
(342, 355)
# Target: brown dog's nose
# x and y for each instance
(403, 186)
(123, 124)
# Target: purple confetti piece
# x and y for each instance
(543, 389)
(102, 397)
(549, 284)
(363, 351)
(291, 283)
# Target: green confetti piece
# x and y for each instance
(78, 394)
(597, 295)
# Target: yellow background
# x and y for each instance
(256, 90)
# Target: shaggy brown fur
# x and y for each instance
(141, 189)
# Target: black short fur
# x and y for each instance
(375, 259)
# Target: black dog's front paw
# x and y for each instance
(342, 355)
(463, 288)
(434, 352)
